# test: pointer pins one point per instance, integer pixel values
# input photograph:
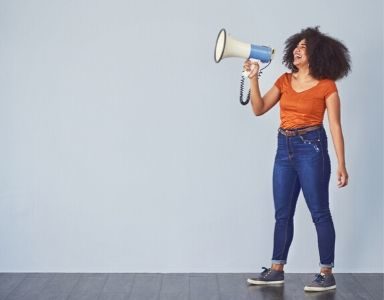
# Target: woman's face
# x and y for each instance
(300, 57)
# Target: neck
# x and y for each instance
(302, 73)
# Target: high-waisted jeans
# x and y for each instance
(302, 163)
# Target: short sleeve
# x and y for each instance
(330, 88)
(280, 82)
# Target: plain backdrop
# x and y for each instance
(123, 146)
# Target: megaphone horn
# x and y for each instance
(227, 46)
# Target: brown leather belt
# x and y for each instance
(300, 131)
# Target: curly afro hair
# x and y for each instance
(328, 58)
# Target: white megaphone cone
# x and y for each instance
(227, 46)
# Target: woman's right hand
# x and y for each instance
(252, 67)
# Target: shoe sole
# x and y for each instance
(319, 289)
(260, 282)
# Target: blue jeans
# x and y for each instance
(302, 163)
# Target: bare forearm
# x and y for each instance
(256, 99)
(338, 142)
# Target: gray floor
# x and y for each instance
(178, 287)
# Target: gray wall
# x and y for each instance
(124, 147)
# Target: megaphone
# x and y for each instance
(227, 46)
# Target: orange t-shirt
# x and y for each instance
(302, 109)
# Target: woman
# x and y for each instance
(302, 161)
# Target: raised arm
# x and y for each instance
(260, 105)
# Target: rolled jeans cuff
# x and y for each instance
(326, 265)
(279, 262)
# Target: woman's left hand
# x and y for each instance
(342, 177)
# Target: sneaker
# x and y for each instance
(268, 276)
(321, 283)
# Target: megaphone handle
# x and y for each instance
(244, 75)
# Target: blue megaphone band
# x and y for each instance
(262, 53)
